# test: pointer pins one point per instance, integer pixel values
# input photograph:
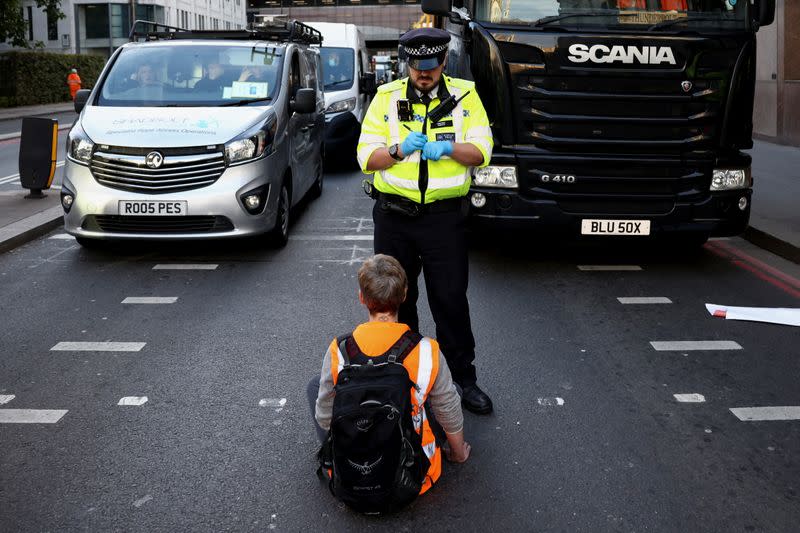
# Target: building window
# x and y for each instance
(52, 27)
(30, 23)
(120, 20)
(97, 21)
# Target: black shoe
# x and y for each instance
(475, 400)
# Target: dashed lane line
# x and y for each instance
(675, 346)
(186, 266)
(134, 401)
(609, 268)
(643, 300)
(5, 398)
(690, 398)
(31, 416)
(98, 347)
(330, 237)
(150, 300)
(759, 414)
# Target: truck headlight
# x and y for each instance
(493, 176)
(79, 145)
(726, 179)
(341, 105)
(250, 145)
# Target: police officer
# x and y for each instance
(420, 138)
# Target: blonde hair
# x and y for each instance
(383, 284)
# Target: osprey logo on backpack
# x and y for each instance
(372, 417)
(366, 468)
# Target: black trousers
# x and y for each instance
(436, 245)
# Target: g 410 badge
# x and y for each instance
(557, 178)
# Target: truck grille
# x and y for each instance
(182, 169)
(156, 225)
(598, 113)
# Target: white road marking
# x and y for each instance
(31, 416)
(754, 414)
(609, 268)
(276, 403)
(5, 398)
(549, 401)
(150, 300)
(62, 237)
(133, 400)
(141, 501)
(98, 346)
(634, 300)
(675, 346)
(331, 237)
(690, 398)
(186, 266)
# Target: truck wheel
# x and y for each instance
(279, 235)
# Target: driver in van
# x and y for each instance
(146, 76)
(213, 80)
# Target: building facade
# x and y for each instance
(101, 27)
(776, 115)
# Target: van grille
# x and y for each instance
(156, 225)
(181, 169)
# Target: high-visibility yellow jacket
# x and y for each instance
(381, 128)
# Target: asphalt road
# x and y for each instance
(587, 435)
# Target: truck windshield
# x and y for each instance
(337, 68)
(195, 75)
(654, 15)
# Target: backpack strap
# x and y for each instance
(348, 348)
(400, 349)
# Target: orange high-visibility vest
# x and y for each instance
(74, 82)
(422, 364)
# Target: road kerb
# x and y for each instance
(773, 244)
(27, 229)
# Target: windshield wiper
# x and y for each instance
(245, 102)
(672, 22)
(553, 18)
(335, 83)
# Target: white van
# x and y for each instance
(348, 87)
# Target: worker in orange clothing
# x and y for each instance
(74, 82)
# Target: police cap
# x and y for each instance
(425, 48)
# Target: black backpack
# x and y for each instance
(372, 451)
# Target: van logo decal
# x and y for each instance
(600, 53)
(154, 160)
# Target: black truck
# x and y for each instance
(612, 117)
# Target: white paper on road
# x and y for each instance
(787, 316)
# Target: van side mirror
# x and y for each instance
(367, 83)
(305, 101)
(81, 97)
(440, 8)
(766, 12)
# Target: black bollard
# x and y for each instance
(38, 149)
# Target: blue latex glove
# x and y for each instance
(436, 149)
(415, 141)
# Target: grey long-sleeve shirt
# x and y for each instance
(444, 400)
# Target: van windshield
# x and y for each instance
(186, 76)
(654, 14)
(338, 66)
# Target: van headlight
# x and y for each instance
(341, 105)
(726, 179)
(79, 145)
(494, 176)
(252, 144)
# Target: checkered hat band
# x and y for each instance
(426, 50)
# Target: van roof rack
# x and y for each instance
(267, 28)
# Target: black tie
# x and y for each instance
(423, 167)
(425, 99)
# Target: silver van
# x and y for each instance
(198, 134)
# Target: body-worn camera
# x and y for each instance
(404, 111)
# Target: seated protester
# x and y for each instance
(380, 451)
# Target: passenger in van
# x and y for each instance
(213, 81)
(254, 73)
(146, 76)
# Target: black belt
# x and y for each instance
(399, 204)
